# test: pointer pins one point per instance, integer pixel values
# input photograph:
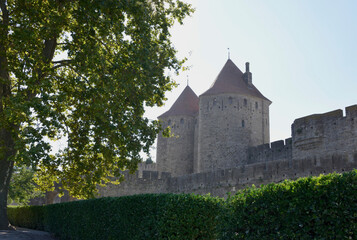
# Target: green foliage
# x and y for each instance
(22, 186)
(149, 216)
(322, 207)
(114, 62)
(189, 217)
(27, 216)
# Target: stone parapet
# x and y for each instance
(221, 182)
(270, 152)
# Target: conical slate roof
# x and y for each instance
(186, 104)
(230, 80)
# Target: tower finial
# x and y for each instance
(229, 54)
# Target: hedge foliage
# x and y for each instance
(27, 216)
(147, 216)
(322, 207)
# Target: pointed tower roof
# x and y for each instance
(230, 80)
(186, 104)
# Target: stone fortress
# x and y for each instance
(221, 143)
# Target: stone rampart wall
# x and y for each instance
(148, 182)
(277, 150)
(147, 167)
(328, 133)
(320, 144)
(221, 182)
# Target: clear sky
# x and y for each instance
(302, 54)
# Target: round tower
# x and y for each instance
(233, 115)
(176, 154)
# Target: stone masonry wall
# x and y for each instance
(149, 182)
(326, 134)
(227, 125)
(220, 182)
(320, 144)
(176, 154)
(274, 151)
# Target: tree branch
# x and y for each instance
(62, 63)
(49, 49)
(48, 53)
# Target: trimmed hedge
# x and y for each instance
(29, 216)
(322, 207)
(147, 216)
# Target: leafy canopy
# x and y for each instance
(115, 54)
(23, 187)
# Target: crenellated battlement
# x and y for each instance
(154, 175)
(317, 120)
(325, 133)
(147, 166)
(351, 111)
(270, 152)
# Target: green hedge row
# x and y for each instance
(322, 207)
(148, 216)
(30, 217)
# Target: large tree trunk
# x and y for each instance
(6, 145)
(6, 168)
(6, 140)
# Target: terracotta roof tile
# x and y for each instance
(186, 104)
(230, 80)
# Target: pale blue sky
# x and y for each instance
(303, 54)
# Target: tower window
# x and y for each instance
(182, 121)
(245, 102)
(169, 122)
(230, 100)
(243, 123)
(214, 102)
(256, 105)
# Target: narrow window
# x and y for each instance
(230, 100)
(182, 121)
(243, 123)
(245, 102)
(214, 102)
(256, 105)
(169, 122)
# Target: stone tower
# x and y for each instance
(233, 115)
(176, 154)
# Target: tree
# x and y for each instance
(22, 186)
(117, 54)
